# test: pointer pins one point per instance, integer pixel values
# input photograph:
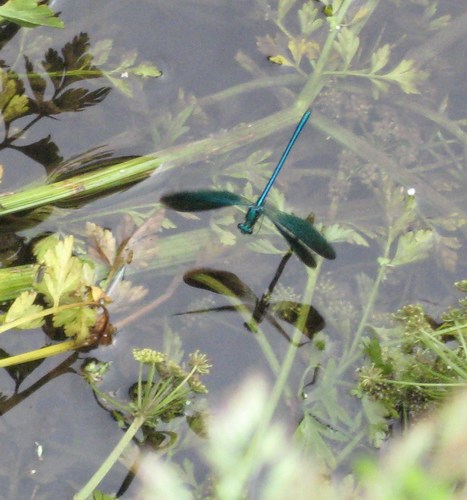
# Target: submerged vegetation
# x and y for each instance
(373, 343)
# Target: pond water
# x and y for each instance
(219, 117)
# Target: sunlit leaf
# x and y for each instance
(43, 245)
(22, 307)
(13, 103)
(63, 273)
(77, 322)
(29, 14)
(17, 107)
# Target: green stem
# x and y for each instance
(109, 462)
(352, 353)
(122, 174)
(236, 491)
(316, 82)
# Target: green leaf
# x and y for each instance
(23, 307)
(346, 45)
(12, 101)
(146, 70)
(77, 322)
(308, 21)
(380, 58)
(43, 245)
(63, 274)
(29, 14)
(18, 106)
(407, 76)
(336, 233)
(412, 247)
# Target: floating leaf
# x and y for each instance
(22, 307)
(77, 322)
(63, 273)
(29, 14)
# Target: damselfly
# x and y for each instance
(301, 235)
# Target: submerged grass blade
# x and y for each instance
(196, 201)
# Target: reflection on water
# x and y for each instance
(216, 119)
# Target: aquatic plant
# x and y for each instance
(163, 392)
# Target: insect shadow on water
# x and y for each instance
(227, 283)
(299, 233)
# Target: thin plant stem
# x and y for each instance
(276, 394)
(109, 462)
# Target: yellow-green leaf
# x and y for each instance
(29, 14)
(23, 307)
(77, 322)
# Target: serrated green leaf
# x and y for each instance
(43, 245)
(63, 273)
(18, 106)
(22, 307)
(77, 322)
(29, 14)
(412, 247)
